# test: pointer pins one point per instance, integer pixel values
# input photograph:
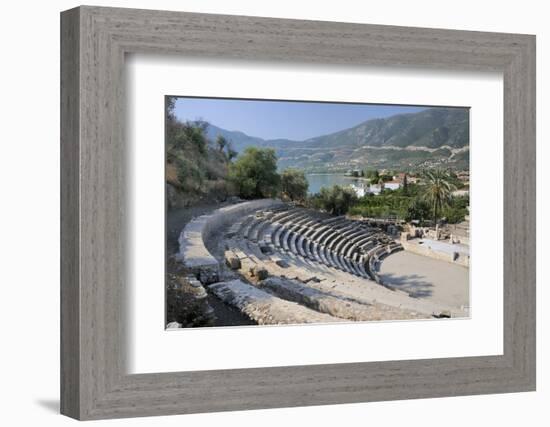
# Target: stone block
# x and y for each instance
(281, 262)
(173, 325)
(193, 281)
(208, 275)
(232, 260)
(445, 314)
(259, 272)
(265, 249)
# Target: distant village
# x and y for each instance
(385, 179)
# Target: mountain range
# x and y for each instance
(430, 137)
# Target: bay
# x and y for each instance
(318, 181)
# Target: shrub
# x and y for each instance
(254, 173)
(418, 210)
(335, 200)
(294, 184)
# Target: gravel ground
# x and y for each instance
(427, 278)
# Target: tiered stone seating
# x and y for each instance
(243, 225)
(295, 233)
(250, 226)
(312, 237)
(257, 231)
(280, 220)
(262, 220)
(335, 245)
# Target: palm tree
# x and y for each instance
(438, 189)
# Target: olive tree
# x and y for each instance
(337, 200)
(294, 184)
(254, 173)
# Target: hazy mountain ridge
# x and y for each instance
(439, 132)
(432, 128)
(241, 140)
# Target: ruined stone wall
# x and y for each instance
(452, 257)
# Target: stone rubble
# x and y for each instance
(265, 308)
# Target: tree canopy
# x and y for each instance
(372, 175)
(336, 200)
(294, 184)
(195, 167)
(254, 173)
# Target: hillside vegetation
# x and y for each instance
(200, 168)
(431, 128)
(196, 167)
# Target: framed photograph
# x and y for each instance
(365, 223)
(262, 213)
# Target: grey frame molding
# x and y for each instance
(94, 41)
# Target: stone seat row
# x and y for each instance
(333, 241)
(377, 255)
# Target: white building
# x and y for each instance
(359, 189)
(461, 193)
(375, 189)
(362, 190)
(392, 185)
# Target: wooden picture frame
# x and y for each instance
(94, 41)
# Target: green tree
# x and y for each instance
(225, 147)
(418, 210)
(221, 142)
(187, 153)
(170, 104)
(294, 184)
(337, 200)
(373, 176)
(457, 209)
(437, 190)
(385, 178)
(405, 189)
(189, 136)
(230, 152)
(254, 173)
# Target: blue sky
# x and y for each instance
(283, 119)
